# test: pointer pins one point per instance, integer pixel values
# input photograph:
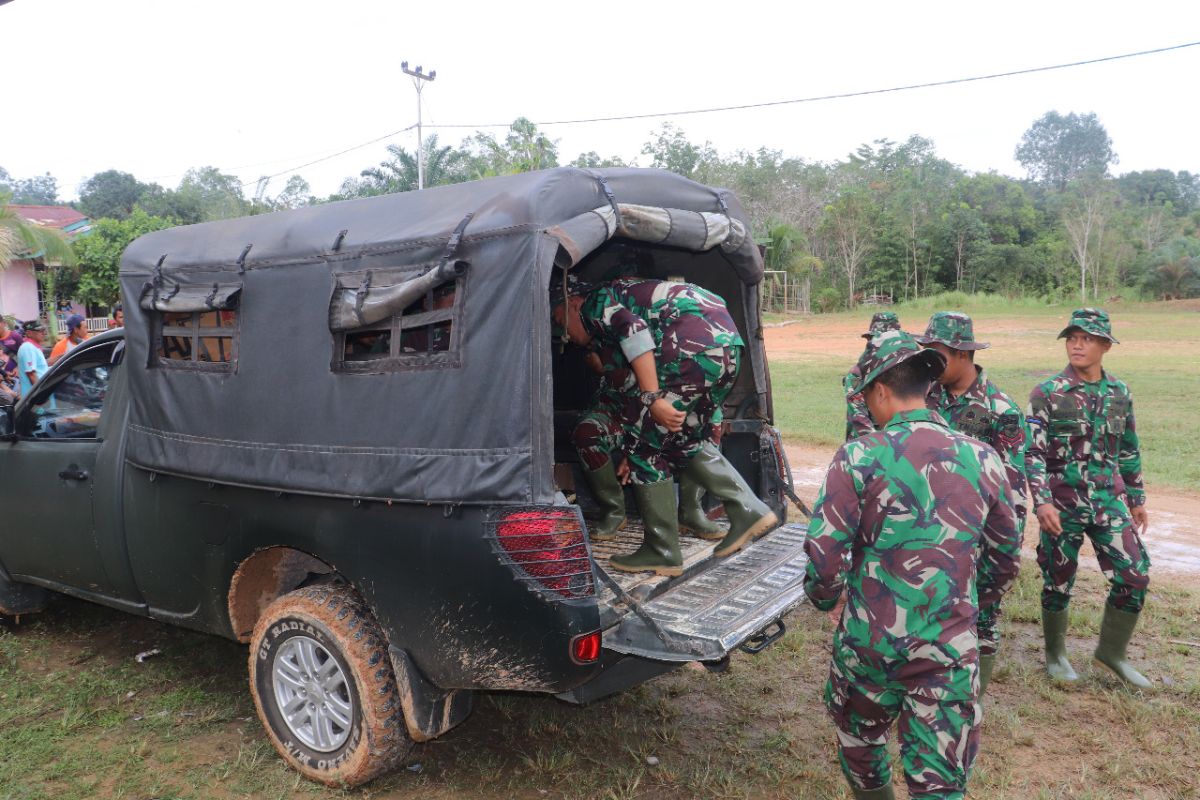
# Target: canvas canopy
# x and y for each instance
(460, 409)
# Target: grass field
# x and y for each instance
(81, 719)
(1159, 358)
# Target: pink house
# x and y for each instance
(20, 292)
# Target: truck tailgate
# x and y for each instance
(715, 606)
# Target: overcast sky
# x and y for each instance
(255, 87)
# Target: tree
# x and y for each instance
(671, 150)
(524, 149)
(110, 194)
(1057, 150)
(99, 253)
(849, 227)
(1084, 216)
(592, 160)
(38, 191)
(788, 251)
(443, 165)
(218, 196)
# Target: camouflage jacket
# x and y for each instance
(991, 416)
(673, 320)
(858, 416)
(926, 517)
(1083, 440)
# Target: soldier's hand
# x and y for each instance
(835, 613)
(623, 471)
(1140, 519)
(1048, 519)
(667, 415)
(594, 364)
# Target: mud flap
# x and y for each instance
(20, 598)
(429, 711)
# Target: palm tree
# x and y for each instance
(20, 238)
(399, 173)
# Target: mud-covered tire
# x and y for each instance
(322, 643)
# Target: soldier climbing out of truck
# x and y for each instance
(684, 350)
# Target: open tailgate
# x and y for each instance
(714, 607)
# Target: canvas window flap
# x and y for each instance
(179, 297)
(374, 299)
(697, 231)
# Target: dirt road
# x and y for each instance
(1173, 538)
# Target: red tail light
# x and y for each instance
(548, 548)
(586, 648)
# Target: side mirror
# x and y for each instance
(7, 426)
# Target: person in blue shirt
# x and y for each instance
(31, 361)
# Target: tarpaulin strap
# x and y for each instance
(455, 239)
(785, 476)
(209, 301)
(721, 204)
(341, 237)
(157, 281)
(608, 192)
(360, 297)
(241, 262)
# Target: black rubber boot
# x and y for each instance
(659, 552)
(985, 672)
(692, 518)
(610, 496)
(882, 793)
(749, 517)
(1115, 632)
(1054, 629)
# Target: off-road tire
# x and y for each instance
(335, 618)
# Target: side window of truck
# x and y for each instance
(71, 406)
(425, 334)
(196, 339)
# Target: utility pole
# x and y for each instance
(419, 79)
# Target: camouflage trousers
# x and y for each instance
(1119, 550)
(988, 625)
(599, 432)
(937, 719)
(696, 385)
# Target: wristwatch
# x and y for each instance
(648, 398)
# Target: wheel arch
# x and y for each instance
(262, 577)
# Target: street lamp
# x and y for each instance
(419, 79)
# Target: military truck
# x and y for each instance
(340, 434)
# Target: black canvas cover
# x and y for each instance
(471, 423)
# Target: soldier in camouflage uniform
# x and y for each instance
(973, 405)
(1086, 480)
(684, 350)
(858, 419)
(599, 438)
(916, 523)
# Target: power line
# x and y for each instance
(842, 96)
(332, 155)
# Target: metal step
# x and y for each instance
(710, 611)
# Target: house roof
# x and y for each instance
(64, 218)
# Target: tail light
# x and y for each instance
(586, 648)
(547, 548)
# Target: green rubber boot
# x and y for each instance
(985, 672)
(659, 552)
(611, 499)
(882, 793)
(1054, 629)
(1115, 632)
(692, 518)
(749, 517)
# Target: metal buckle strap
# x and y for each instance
(608, 193)
(360, 296)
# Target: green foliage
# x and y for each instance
(41, 190)
(523, 149)
(100, 253)
(1059, 149)
(22, 239)
(110, 194)
(399, 173)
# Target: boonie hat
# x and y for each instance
(882, 321)
(890, 349)
(953, 329)
(1090, 320)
